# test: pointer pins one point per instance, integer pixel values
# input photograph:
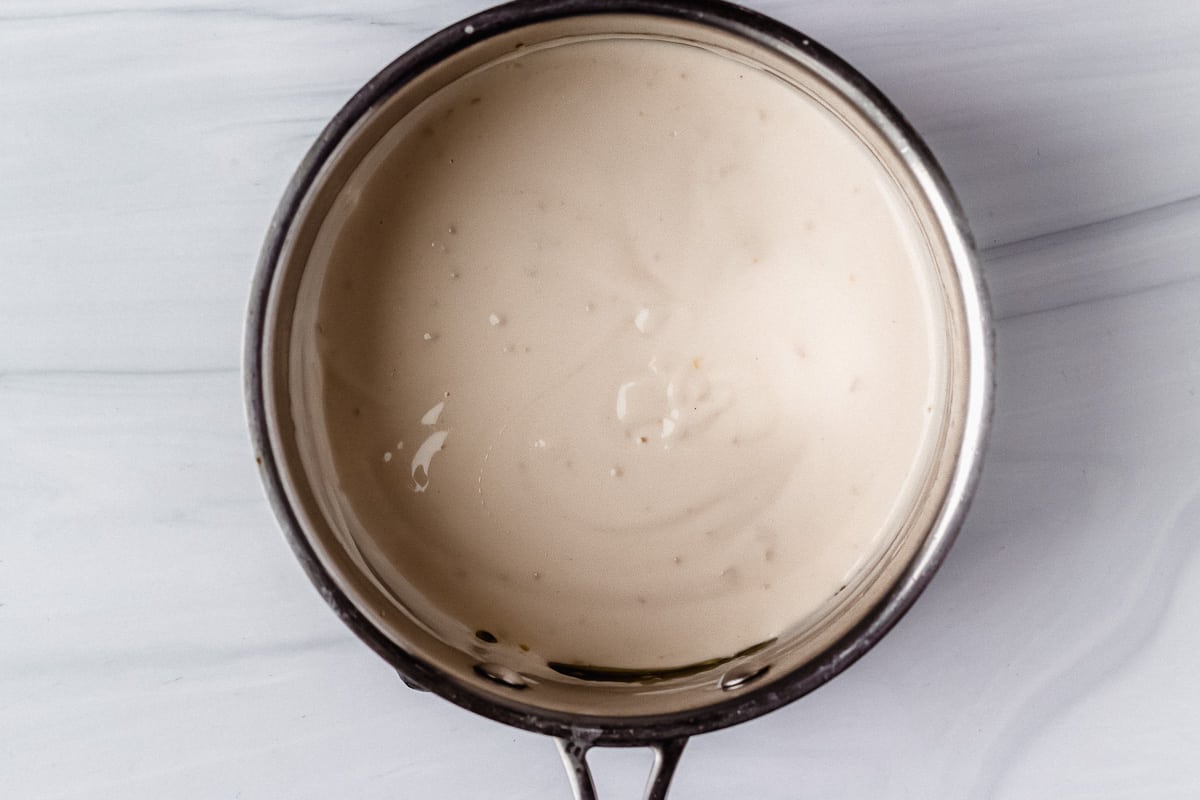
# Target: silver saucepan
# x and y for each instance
(580, 713)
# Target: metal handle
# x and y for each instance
(666, 757)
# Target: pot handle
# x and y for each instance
(666, 758)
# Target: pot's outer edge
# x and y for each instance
(753, 702)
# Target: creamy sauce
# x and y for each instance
(628, 356)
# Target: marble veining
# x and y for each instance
(157, 638)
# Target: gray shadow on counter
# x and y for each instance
(1086, 514)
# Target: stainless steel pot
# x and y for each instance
(578, 712)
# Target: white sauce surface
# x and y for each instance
(628, 355)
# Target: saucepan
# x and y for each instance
(580, 712)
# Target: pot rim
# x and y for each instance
(753, 701)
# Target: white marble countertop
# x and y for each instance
(157, 638)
